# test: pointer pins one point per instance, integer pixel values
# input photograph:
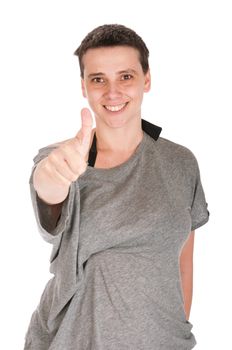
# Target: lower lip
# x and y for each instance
(117, 112)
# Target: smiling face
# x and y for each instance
(114, 84)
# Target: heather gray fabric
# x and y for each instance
(115, 255)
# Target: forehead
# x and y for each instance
(104, 59)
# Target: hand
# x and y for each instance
(55, 173)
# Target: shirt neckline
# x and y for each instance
(151, 129)
(121, 167)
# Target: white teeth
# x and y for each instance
(115, 108)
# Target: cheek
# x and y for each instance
(94, 95)
(136, 94)
(134, 90)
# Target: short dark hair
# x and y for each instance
(113, 35)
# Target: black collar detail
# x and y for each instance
(151, 129)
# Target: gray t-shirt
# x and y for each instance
(115, 256)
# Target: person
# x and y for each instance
(120, 206)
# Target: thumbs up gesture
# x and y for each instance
(55, 173)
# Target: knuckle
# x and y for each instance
(63, 181)
(65, 148)
(54, 157)
(43, 166)
(60, 178)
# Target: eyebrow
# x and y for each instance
(120, 72)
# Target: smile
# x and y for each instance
(116, 108)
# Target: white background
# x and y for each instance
(190, 61)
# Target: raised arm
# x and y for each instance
(54, 174)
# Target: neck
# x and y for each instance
(119, 140)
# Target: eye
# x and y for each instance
(97, 80)
(127, 77)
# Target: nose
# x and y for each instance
(113, 91)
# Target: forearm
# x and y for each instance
(49, 214)
(187, 287)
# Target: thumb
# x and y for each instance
(86, 132)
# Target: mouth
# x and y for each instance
(117, 108)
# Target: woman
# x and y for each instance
(120, 205)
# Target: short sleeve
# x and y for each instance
(199, 206)
(42, 211)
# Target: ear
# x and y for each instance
(83, 88)
(147, 81)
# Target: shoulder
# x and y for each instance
(174, 148)
(176, 152)
(174, 155)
